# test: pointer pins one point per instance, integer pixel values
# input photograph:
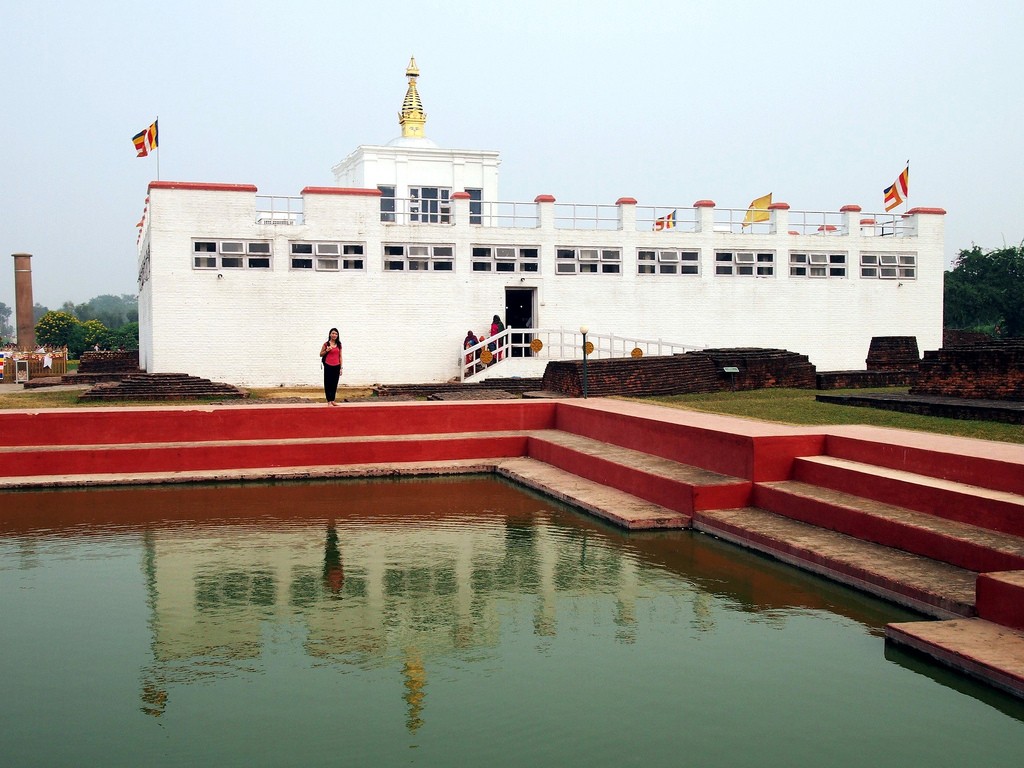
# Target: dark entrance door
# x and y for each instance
(519, 313)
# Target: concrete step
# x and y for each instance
(679, 487)
(934, 588)
(994, 509)
(136, 458)
(269, 421)
(1000, 598)
(980, 463)
(961, 544)
(981, 649)
(735, 447)
(595, 498)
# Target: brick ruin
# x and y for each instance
(993, 370)
(690, 373)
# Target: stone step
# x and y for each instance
(677, 486)
(982, 463)
(961, 544)
(935, 588)
(615, 506)
(994, 509)
(161, 386)
(218, 455)
(981, 649)
(1000, 598)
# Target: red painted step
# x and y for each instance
(966, 546)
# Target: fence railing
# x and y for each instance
(559, 344)
(284, 210)
(278, 210)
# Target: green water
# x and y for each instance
(443, 623)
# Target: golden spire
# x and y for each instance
(412, 117)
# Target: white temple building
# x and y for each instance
(413, 247)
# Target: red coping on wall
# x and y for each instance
(352, 191)
(203, 186)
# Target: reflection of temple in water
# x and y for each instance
(403, 575)
(366, 594)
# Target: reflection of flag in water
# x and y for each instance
(147, 140)
(665, 222)
(898, 191)
(758, 210)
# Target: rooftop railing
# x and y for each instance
(284, 210)
(279, 210)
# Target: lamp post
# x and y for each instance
(583, 330)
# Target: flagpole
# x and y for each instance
(158, 148)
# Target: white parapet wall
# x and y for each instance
(232, 299)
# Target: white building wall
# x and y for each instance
(264, 327)
(419, 162)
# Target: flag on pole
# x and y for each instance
(898, 191)
(665, 222)
(758, 210)
(146, 140)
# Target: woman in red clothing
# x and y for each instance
(330, 356)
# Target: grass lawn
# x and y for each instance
(798, 406)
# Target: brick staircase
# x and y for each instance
(161, 386)
(933, 523)
(96, 367)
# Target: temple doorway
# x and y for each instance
(520, 306)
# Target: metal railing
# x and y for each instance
(651, 218)
(276, 210)
(582, 216)
(560, 344)
(284, 210)
(508, 215)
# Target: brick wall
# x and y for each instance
(991, 371)
(109, 362)
(893, 353)
(863, 379)
(691, 373)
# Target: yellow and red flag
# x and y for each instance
(898, 191)
(146, 140)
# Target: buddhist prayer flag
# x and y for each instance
(147, 140)
(898, 191)
(758, 210)
(665, 222)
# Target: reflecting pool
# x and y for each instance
(448, 622)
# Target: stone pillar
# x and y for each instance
(23, 300)
(627, 214)
(705, 215)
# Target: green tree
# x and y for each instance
(112, 311)
(94, 332)
(125, 337)
(986, 290)
(56, 329)
(38, 310)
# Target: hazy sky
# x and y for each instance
(818, 102)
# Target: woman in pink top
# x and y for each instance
(330, 356)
